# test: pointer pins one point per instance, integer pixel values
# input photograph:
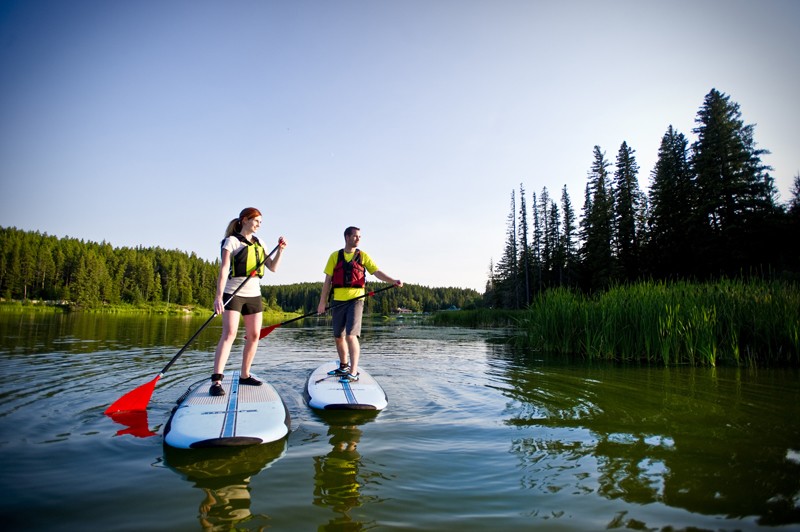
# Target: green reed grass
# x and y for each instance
(671, 323)
(26, 306)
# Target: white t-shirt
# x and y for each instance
(253, 286)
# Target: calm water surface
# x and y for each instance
(477, 436)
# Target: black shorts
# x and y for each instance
(244, 305)
(347, 318)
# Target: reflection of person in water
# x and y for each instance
(225, 506)
(336, 483)
(224, 477)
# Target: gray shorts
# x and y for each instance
(347, 318)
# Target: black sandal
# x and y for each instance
(216, 385)
(250, 381)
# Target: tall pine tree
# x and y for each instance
(507, 282)
(627, 206)
(546, 241)
(553, 238)
(596, 226)
(735, 193)
(672, 200)
(537, 246)
(568, 240)
(525, 262)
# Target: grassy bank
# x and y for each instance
(678, 323)
(32, 306)
(271, 316)
(122, 308)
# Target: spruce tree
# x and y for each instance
(546, 242)
(568, 239)
(627, 206)
(553, 238)
(507, 268)
(735, 201)
(525, 252)
(598, 264)
(672, 201)
(537, 245)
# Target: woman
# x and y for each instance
(241, 254)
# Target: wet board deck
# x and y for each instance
(325, 392)
(245, 415)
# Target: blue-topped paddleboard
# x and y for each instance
(325, 392)
(245, 415)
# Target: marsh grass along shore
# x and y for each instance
(726, 322)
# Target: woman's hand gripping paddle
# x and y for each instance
(138, 398)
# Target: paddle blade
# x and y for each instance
(135, 399)
(135, 421)
(266, 330)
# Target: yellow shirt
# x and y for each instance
(343, 294)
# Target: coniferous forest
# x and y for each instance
(35, 266)
(68, 271)
(711, 212)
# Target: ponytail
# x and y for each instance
(234, 226)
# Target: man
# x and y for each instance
(346, 273)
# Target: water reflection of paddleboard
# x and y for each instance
(326, 392)
(223, 475)
(214, 465)
(245, 415)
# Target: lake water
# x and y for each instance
(477, 436)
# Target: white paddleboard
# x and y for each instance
(325, 392)
(245, 415)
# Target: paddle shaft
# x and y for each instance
(179, 353)
(366, 294)
(266, 330)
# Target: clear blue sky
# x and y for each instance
(154, 123)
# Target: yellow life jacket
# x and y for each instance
(248, 258)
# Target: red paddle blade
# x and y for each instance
(135, 421)
(266, 330)
(135, 399)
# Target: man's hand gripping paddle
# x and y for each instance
(266, 330)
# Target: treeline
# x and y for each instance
(711, 213)
(36, 266)
(304, 298)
